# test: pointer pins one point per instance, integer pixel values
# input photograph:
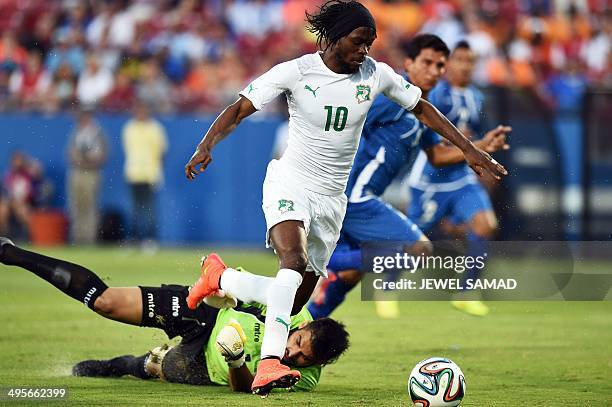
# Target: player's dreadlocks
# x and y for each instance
(336, 19)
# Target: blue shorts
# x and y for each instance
(376, 220)
(427, 208)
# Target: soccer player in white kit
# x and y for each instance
(329, 94)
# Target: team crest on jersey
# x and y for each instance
(285, 205)
(363, 93)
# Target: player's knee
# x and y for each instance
(484, 226)
(294, 259)
(484, 232)
(422, 247)
(350, 277)
(107, 303)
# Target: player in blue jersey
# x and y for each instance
(453, 193)
(390, 138)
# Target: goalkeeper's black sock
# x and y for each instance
(131, 365)
(76, 281)
(116, 367)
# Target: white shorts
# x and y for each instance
(322, 215)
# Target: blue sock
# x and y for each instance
(334, 290)
(477, 247)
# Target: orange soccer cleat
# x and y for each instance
(208, 283)
(272, 374)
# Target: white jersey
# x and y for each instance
(327, 111)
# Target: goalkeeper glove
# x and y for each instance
(220, 299)
(230, 343)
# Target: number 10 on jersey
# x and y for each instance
(338, 117)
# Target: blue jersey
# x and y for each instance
(463, 107)
(391, 137)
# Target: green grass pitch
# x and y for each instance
(522, 354)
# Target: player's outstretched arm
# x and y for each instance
(494, 140)
(241, 379)
(480, 161)
(224, 124)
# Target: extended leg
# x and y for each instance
(346, 274)
(480, 229)
(343, 275)
(72, 279)
(304, 292)
(289, 240)
(123, 304)
(245, 287)
(119, 304)
(116, 367)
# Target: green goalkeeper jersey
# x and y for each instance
(251, 318)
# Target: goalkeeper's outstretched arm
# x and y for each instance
(230, 343)
(240, 379)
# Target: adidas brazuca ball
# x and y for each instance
(436, 382)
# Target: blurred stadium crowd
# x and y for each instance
(195, 55)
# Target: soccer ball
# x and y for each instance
(436, 382)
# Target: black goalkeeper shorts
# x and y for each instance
(166, 308)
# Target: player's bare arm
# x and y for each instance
(494, 140)
(241, 379)
(480, 161)
(224, 124)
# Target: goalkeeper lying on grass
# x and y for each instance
(218, 346)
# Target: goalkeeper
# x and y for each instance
(218, 346)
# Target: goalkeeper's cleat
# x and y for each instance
(475, 308)
(3, 242)
(387, 309)
(271, 374)
(6, 240)
(99, 368)
(92, 368)
(208, 284)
